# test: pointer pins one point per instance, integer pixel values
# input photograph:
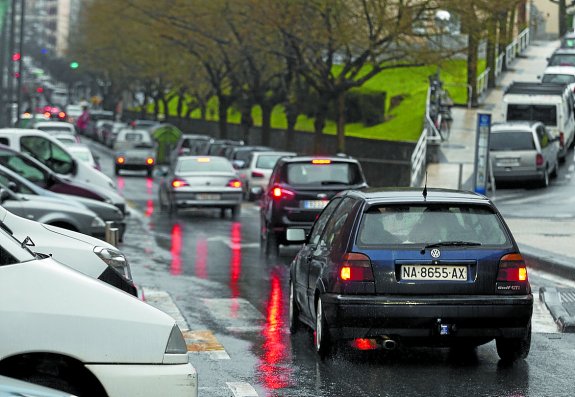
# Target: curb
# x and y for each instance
(552, 299)
(550, 262)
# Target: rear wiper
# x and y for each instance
(453, 244)
(334, 183)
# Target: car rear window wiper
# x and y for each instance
(454, 243)
(334, 183)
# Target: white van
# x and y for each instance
(54, 155)
(99, 259)
(550, 103)
(63, 329)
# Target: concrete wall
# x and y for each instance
(545, 19)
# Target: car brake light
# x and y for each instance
(120, 160)
(539, 160)
(280, 193)
(62, 115)
(256, 174)
(235, 183)
(150, 160)
(562, 139)
(321, 161)
(177, 182)
(355, 267)
(512, 268)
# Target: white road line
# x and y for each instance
(163, 301)
(241, 389)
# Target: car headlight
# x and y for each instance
(115, 259)
(176, 342)
(97, 222)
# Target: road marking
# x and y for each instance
(163, 301)
(204, 341)
(242, 389)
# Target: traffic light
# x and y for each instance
(74, 65)
(40, 90)
(16, 56)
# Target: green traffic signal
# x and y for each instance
(74, 65)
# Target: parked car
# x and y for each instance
(144, 124)
(84, 153)
(66, 139)
(134, 151)
(57, 127)
(562, 57)
(215, 146)
(98, 258)
(568, 40)
(188, 145)
(95, 116)
(36, 172)
(298, 189)
(83, 336)
(559, 75)
(523, 151)
(110, 132)
(108, 212)
(239, 155)
(201, 181)
(10, 387)
(54, 155)
(256, 172)
(73, 112)
(425, 267)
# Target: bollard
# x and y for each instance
(114, 236)
(460, 180)
(107, 238)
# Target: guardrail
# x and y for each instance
(517, 46)
(483, 82)
(499, 64)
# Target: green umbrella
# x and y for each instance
(167, 136)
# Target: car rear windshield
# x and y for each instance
(204, 164)
(547, 114)
(268, 161)
(511, 140)
(558, 78)
(332, 173)
(562, 60)
(431, 223)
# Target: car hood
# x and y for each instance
(75, 317)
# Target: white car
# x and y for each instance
(60, 327)
(99, 259)
(10, 387)
(54, 155)
(84, 153)
(255, 174)
(559, 75)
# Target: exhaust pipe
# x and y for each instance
(389, 344)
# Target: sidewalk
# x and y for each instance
(455, 169)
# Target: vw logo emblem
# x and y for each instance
(322, 195)
(435, 253)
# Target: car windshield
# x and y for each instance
(203, 164)
(511, 140)
(455, 224)
(268, 161)
(558, 78)
(562, 60)
(83, 155)
(323, 174)
(547, 114)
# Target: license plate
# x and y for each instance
(434, 272)
(314, 204)
(507, 163)
(208, 196)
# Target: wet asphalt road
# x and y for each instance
(213, 270)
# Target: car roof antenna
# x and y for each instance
(425, 188)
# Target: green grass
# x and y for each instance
(403, 123)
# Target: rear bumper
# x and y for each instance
(135, 166)
(407, 317)
(510, 176)
(188, 199)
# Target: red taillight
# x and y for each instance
(120, 160)
(177, 183)
(280, 193)
(62, 115)
(539, 160)
(235, 183)
(150, 160)
(365, 344)
(256, 174)
(355, 267)
(562, 139)
(512, 268)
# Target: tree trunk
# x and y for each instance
(562, 18)
(291, 117)
(491, 60)
(522, 22)
(472, 47)
(223, 106)
(156, 107)
(203, 112)
(341, 122)
(502, 38)
(266, 124)
(511, 26)
(245, 123)
(319, 123)
(180, 105)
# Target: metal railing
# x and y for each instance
(499, 64)
(517, 46)
(483, 82)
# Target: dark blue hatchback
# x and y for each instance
(439, 268)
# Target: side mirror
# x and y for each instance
(296, 235)
(256, 192)
(238, 164)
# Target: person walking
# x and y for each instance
(82, 122)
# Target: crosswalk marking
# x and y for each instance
(242, 389)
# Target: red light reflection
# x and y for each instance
(149, 185)
(121, 183)
(176, 250)
(149, 208)
(202, 258)
(273, 367)
(235, 265)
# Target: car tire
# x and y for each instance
(512, 349)
(271, 244)
(555, 171)
(236, 211)
(294, 323)
(321, 338)
(545, 180)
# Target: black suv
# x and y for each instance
(299, 189)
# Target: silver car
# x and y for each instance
(70, 215)
(201, 181)
(257, 171)
(523, 151)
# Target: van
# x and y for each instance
(552, 104)
(52, 153)
(63, 329)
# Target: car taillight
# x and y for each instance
(562, 139)
(355, 267)
(512, 268)
(279, 193)
(235, 183)
(256, 174)
(539, 160)
(150, 160)
(120, 160)
(177, 182)
(61, 115)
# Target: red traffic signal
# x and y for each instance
(40, 90)
(16, 56)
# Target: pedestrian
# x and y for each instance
(82, 122)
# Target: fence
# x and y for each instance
(517, 46)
